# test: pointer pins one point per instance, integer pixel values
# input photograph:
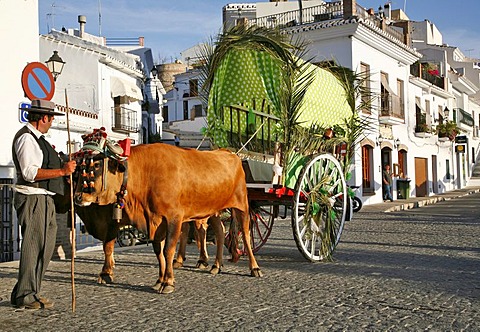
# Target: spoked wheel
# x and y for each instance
(356, 204)
(319, 207)
(261, 223)
(126, 237)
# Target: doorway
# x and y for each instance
(434, 174)
(421, 176)
(386, 160)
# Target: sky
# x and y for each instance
(170, 27)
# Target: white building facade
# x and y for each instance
(409, 106)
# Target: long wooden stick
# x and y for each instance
(72, 208)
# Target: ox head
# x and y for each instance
(99, 179)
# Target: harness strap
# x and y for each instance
(104, 175)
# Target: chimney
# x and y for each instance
(349, 8)
(82, 19)
(387, 10)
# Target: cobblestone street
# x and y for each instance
(392, 272)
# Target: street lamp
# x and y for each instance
(379, 140)
(55, 65)
(154, 72)
(446, 112)
(396, 143)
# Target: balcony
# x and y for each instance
(124, 120)
(423, 130)
(429, 72)
(392, 111)
(326, 12)
(464, 117)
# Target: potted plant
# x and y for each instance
(423, 128)
(430, 68)
(448, 129)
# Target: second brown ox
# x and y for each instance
(167, 186)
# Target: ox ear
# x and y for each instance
(115, 166)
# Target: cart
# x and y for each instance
(261, 99)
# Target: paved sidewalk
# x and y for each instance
(416, 202)
(392, 272)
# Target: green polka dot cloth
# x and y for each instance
(247, 75)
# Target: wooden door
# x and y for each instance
(421, 176)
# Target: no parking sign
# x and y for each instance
(37, 81)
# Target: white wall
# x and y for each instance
(19, 31)
(86, 82)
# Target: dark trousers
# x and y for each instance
(36, 216)
(387, 192)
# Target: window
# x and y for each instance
(402, 163)
(365, 91)
(400, 109)
(198, 110)
(448, 176)
(420, 117)
(390, 102)
(440, 114)
(367, 169)
(428, 113)
(165, 113)
(384, 94)
(123, 119)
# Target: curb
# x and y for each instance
(431, 200)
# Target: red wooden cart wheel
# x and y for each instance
(261, 223)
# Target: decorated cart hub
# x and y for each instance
(268, 105)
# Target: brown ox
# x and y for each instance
(98, 220)
(166, 187)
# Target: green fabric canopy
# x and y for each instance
(246, 75)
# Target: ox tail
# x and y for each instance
(233, 233)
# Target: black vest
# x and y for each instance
(51, 160)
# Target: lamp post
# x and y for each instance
(379, 140)
(154, 72)
(446, 112)
(55, 65)
(396, 143)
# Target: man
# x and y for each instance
(387, 184)
(39, 176)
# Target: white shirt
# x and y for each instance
(30, 158)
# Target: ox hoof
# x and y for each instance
(201, 264)
(177, 264)
(167, 289)
(158, 286)
(105, 279)
(256, 273)
(215, 270)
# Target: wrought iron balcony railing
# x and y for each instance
(124, 120)
(325, 12)
(422, 71)
(392, 105)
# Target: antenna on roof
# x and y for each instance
(99, 18)
(51, 17)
